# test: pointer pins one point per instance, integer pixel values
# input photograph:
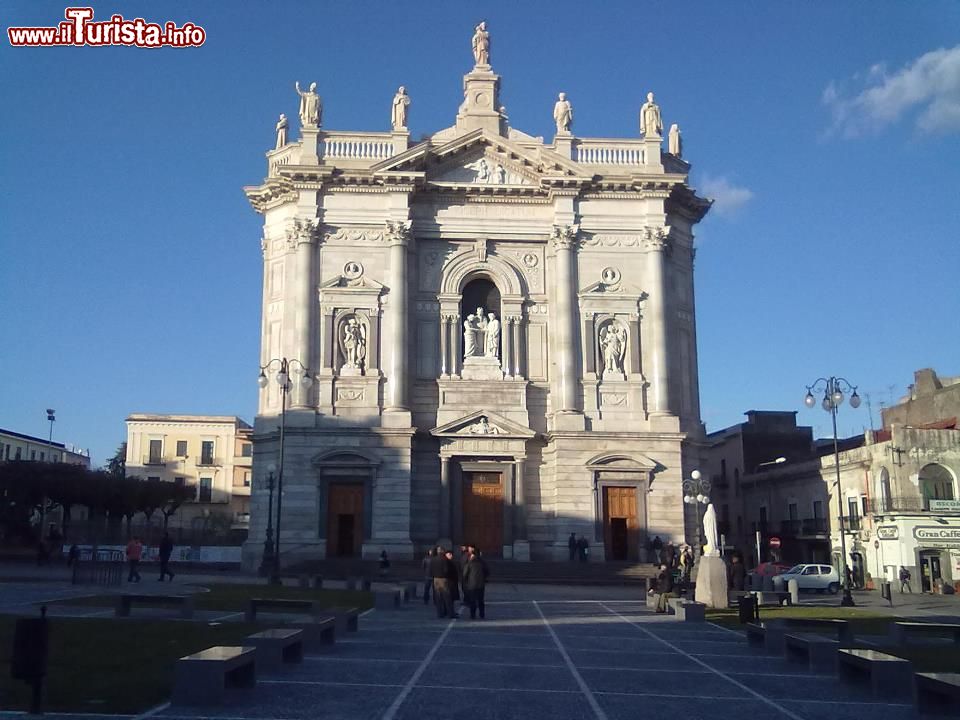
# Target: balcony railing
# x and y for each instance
(370, 147)
(153, 460)
(899, 504)
(790, 528)
(852, 522)
(813, 526)
(207, 460)
(602, 151)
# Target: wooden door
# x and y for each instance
(344, 519)
(483, 511)
(621, 526)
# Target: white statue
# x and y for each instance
(501, 175)
(710, 535)
(470, 330)
(484, 427)
(354, 343)
(398, 113)
(563, 114)
(483, 170)
(493, 336)
(281, 131)
(311, 109)
(650, 123)
(675, 142)
(481, 45)
(613, 345)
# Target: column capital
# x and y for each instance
(398, 232)
(565, 237)
(302, 231)
(657, 239)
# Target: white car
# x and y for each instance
(813, 577)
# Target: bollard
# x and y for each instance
(767, 583)
(886, 593)
(29, 659)
(794, 587)
(778, 584)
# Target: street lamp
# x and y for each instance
(267, 562)
(833, 390)
(285, 383)
(696, 491)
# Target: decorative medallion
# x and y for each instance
(352, 270)
(610, 276)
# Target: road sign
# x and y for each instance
(774, 542)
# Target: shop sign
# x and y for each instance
(933, 536)
(944, 505)
(889, 532)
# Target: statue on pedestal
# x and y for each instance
(353, 339)
(651, 125)
(563, 114)
(481, 45)
(470, 330)
(493, 336)
(281, 131)
(311, 109)
(675, 142)
(398, 113)
(613, 344)
(710, 533)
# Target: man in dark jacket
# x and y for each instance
(439, 571)
(164, 552)
(664, 588)
(475, 574)
(453, 583)
(738, 573)
(572, 546)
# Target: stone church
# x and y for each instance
(490, 338)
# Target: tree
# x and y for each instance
(175, 497)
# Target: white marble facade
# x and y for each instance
(501, 332)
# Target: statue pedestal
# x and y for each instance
(481, 367)
(712, 582)
(563, 144)
(308, 145)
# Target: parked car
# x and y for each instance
(769, 569)
(813, 577)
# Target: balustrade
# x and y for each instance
(357, 146)
(609, 152)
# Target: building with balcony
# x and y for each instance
(210, 453)
(498, 331)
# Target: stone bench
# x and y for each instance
(687, 610)
(937, 693)
(126, 601)
(889, 676)
(346, 619)
(284, 604)
(840, 629)
(319, 633)
(311, 581)
(901, 631)
(356, 583)
(773, 597)
(816, 652)
(410, 591)
(276, 647)
(204, 677)
(652, 600)
(388, 599)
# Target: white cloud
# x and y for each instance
(728, 198)
(928, 86)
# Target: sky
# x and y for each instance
(827, 133)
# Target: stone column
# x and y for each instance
(519, 501)
(454, 345)
(444, 344)
(506, 334)
(656, 243)
(398, 235)
(302, 237)
(444, 519)
(329, 338)
(517, 346)
(564, 320)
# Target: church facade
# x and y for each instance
(489, 338)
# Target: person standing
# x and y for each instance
(572, 546)
(905, 580)
(384, 563)
(738, 573)
(658, 549)
(164, 552)
(453, 583)
(441, 585)
(134, 553)
(475, 574)
(584, 547)
(664, 588)
(428, 577)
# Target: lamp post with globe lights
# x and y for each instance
(696, 491)
(833, 396)
(286, 384)
(266, 562)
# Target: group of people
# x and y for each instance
(673, 569)
(446, 575)
(135, 555)
(579, 548)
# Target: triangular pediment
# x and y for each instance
(483, 423)
(620, 288)
(362, 283)
(459, 162)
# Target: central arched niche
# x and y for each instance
(480, 293)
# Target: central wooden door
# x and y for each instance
(344, 519)
(621, 527)
(483, 511)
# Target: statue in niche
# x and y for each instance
(353, 343)
(481, 45)
(281, 131)
(651, 125)
(493, 336)
(470, 333)
(311, 109)
(398, 113)
(675, 142)
(613, 346)
(563, 114)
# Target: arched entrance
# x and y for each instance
(936, 483)
(345, 492)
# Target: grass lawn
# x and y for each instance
(108, 666)
(925, 657)
(233, 598)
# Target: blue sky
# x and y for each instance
(829, 134)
